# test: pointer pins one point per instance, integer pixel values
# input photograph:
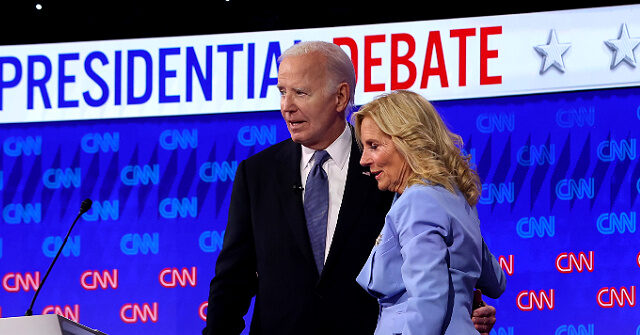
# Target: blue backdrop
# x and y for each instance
(561, 184)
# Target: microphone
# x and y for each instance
(297, 187)
(84, 207)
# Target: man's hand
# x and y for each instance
(484, 316)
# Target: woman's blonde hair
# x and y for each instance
(431, 150)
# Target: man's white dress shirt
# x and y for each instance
(336, 168)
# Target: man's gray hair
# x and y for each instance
(339, 66)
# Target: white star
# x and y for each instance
(552, 53)
(623, 48)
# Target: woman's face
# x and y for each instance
(383, 159)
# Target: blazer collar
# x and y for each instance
(288, 176)
(358, 188)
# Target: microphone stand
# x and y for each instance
(84, 207)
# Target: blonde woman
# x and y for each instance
(430, 254)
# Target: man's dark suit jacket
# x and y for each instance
(266, 252)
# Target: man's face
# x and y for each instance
(310, 110)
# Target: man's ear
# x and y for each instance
(342, 97)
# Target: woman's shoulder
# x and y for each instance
(420, 203)
(430, 197)
(418, 197)
(421, 191)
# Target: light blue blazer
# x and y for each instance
(426, 263)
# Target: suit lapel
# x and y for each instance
(356, 194)
(290, 197)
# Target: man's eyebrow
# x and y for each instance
(295, 89)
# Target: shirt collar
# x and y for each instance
(338, 150)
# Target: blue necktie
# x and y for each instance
(316, 207)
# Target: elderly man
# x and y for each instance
(304, 215)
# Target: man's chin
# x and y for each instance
(298, 137)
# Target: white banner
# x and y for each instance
(204, 74)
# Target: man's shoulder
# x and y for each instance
(279, 151)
